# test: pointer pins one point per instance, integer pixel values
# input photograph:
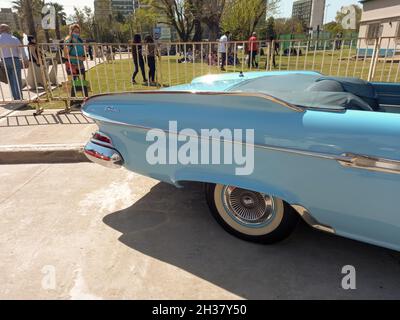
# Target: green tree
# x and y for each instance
(270, 28)
(241, 17)
(85, 18)
(119, 17)
(289, 26)
(144, 19)
(17, 35)
(333, 28)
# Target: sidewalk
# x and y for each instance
(46, 138)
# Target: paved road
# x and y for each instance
(83, 231)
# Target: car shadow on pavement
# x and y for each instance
(174, 226)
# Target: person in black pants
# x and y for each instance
(151, 58)
(138, 60)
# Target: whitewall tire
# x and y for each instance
(250, 215)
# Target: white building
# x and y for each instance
(311, 12)
(10, 18)
(380, 19)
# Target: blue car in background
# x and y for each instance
(324, 149)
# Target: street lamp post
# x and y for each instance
(131, 17)
(326, 12)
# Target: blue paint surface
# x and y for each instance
(357, 203)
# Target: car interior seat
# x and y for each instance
(360, 88)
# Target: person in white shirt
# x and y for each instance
(223, 48)
(11, 55)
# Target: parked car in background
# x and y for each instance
(325, 149)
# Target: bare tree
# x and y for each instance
(209, 13)
(178, 15)
(212, 13)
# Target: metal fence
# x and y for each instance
(53, 75)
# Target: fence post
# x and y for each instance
(43, 72)
(374, 59)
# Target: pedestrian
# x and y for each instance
(74, 53)
(90, 51)
(151, 58)
(223, 48)
(253, 49)
(11, 55)
(137, 55)
(109, 53)
(274, 50)
(33, 51)
(338, 42)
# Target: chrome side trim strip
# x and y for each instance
(346, 159)
(207, 93)
(311, 221)
(370, 163)
(264, 146)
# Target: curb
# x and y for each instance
(42, 153)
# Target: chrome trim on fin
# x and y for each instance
(311, 221)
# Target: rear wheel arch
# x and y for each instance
(243, 183)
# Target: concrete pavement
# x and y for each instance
(8, 108)
(81, 231)
(45, 138)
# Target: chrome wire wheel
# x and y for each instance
(253, 209)
(247, 212)
(251, 215)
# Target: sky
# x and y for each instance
(285, 10)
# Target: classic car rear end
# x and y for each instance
(336, 166)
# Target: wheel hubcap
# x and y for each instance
(248, 207)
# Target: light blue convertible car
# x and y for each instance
(270, 147)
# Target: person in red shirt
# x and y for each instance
(253, 48)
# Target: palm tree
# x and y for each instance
(26, 9)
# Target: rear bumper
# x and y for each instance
(103, 155)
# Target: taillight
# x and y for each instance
(101, 137)
(97, 155)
